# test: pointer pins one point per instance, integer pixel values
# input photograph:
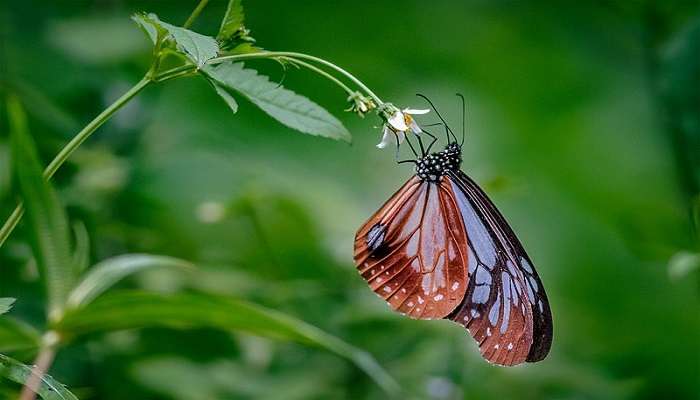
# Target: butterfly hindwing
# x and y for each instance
(411, 252)
(505, 307)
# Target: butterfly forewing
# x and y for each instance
(505, 307)
(411, 252)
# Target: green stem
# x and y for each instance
(174, 73)
(322, 73)
(293, 55)
(195, 13)
(69, 148)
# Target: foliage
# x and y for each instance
(289, 108)
(574, 111)
(49, 388)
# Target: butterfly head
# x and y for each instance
(433, 166)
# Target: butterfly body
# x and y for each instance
(439, 248)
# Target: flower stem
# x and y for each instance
(323, 73)
(69, 148)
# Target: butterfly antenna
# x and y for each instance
(464, 116)
(439, 116)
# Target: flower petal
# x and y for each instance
(414, 127)
(415, 111)
(401, 136)
(398, 122)
(386, 138)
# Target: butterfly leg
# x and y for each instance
(397, 152)
(413, 150)
(430, 146)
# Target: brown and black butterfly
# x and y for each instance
(439, 248)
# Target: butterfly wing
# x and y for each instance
(411, 252)
(505, 307)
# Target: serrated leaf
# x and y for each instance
(149, 23)
(137, 309)
(199, 48)
(49, 388)
(233, 20)
(6, 304)
(289, 108)
(108, 272)
(224, 93)
(47, 220)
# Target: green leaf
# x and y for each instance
(6, 304)
(108, 272)
(47, 220)
(149, 23)
(49, 388)
(224, 93)
(136, 309)
(287, 107)
(233, 20)
(16, 335)
(81, 256)
(199, 48)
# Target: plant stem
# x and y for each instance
(294, 56)
(322, 73)
(195, 13)
(42, 363)
(69, 148)
(174, 73)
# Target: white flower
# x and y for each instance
(398, 122)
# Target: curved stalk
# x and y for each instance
(71, 146)
(323, 73)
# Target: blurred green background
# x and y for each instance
(583, 126)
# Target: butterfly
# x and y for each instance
(439, 248)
